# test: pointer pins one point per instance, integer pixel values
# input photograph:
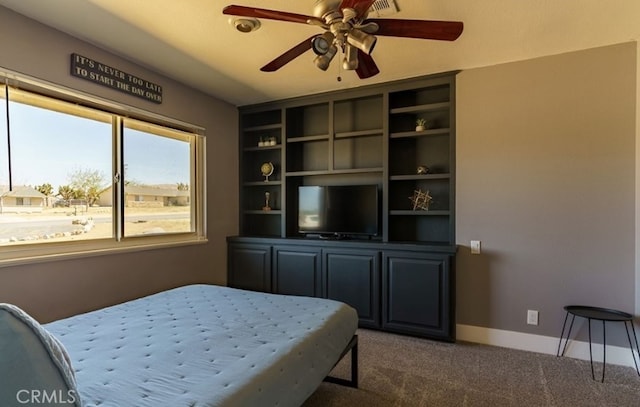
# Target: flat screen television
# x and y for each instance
(338, 211)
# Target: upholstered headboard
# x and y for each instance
(34, 366)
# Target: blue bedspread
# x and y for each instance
(204, 345)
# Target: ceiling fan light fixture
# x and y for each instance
(245, 25)
(361, 40)
(350, 62)
(322, 43)
(323, 61)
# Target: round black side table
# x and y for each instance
(604, 315)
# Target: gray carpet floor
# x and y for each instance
(399, 370)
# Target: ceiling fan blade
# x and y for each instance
(366, 66)
(424, 29)
(270, 14)
(288, 56)
(360, 6)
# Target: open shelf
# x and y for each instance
(254, 196)
(430, 132)
(357, 152)
(428, 95)
(421, 108)
(360, 133)
(262, 212)
(401, 192)
(265, 148)
(302, 139)
(261, 183)
(418, 177)
(407, 154)
(419, 213)
(261, 224)
(264, 127)
(378, 170)
(310, 120)
(354, 115)
(308, 156)
(422, 229)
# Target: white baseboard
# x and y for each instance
(616, 355)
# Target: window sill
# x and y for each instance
(26, 254)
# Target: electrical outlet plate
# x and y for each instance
(532, 317)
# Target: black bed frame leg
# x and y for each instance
(353, 382)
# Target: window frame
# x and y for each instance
(46, 251)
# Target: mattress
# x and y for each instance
(205, 345)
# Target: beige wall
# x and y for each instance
(59, 288)
(546, 180)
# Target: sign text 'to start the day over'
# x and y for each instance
(94, 71)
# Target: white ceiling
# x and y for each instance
(192, 41)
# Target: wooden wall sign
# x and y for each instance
(97, 72)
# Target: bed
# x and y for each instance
(198, 345)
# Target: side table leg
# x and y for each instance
(604, 349)
(566, 342)
(633, 355)
(593, 375)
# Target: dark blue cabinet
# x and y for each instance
(297, 271)
(401, 288)
(249, 266)
(417, 294)
(353, 277)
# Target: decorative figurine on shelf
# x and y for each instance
(421, 124)
(421, 200)
(267, 141)
(266, 206)
(422, 170)
(267, 169)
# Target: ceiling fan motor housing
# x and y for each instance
(322, 7)
(345, 35)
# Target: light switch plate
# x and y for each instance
(475, 247)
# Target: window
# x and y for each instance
(158, 175)
(75, 177)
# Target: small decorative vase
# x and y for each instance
(419, 128)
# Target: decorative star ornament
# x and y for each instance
(421, 200)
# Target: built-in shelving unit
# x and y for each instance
(401, 280)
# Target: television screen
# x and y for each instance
(338, 210)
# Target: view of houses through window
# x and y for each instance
(157, 196)
(59, 166)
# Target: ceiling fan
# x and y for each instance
(348, 30)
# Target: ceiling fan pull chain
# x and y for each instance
(339, 77)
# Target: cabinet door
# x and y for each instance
(417, 293)
(249, 266)
(296, 271)
(352, 276)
